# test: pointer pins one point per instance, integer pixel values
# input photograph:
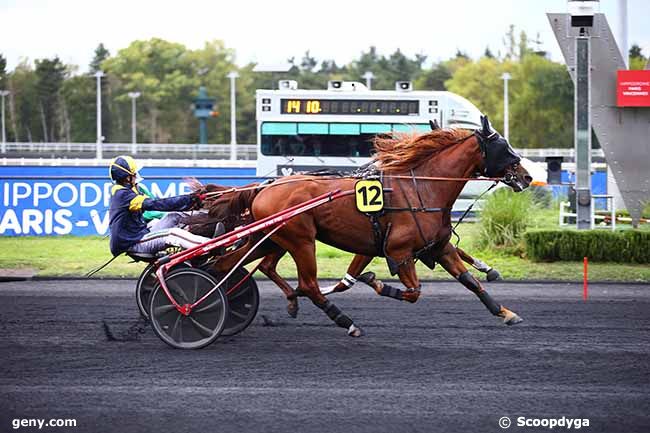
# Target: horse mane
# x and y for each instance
(399, 152)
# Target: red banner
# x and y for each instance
(633, 89)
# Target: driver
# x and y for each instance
(128, 230)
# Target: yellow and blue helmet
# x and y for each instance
(121, 167)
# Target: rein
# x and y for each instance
(480, 139)
(429, 178)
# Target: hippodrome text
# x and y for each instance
(61, 208)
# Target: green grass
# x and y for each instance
(74, 256)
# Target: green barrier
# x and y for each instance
(625, 246)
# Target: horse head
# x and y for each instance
(500, 159)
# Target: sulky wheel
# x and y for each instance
(204, 323)
(243, 300)
(145, 286)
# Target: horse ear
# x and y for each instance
(434, 124)
(485, 125)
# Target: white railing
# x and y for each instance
(147, 150)
(566, 153)
(190, 151)
(566, 213)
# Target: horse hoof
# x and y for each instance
(354, 331)
(410, 295)
(292, 310)
(327, 290)
(513, 320)
(509, 318)
(494, 275)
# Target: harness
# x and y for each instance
(370, 171)
(381, 238)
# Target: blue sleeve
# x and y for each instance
(181, 202)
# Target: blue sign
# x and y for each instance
(598, 186)
(43, 201)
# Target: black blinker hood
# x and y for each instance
(497, 152)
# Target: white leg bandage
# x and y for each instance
(481, 266)
(348, 280)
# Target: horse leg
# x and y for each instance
(305, 257)
(407, 276)
(451, 261)
(491, 273)
(358, 264)
(268, 267)
(355, 268)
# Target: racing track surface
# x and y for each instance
(443, 364)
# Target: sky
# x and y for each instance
(271, 31)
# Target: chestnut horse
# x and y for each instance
(406, 235)
(205, 225)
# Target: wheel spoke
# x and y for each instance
(209, 307)
(203, 330)
(176, 327)
(238, 314)
(179, 290)
(164, 309)
(238, 293)
(196, 290)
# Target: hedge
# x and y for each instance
(628, 246)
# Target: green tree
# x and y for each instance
(332, 70)
(480, 82)
(3, 72)
(23, 113)
(210, 66)
(50, 74)
(541, 113)
(163, 72)
(540, 98)
(79, 96)
(516, 49)
(369, 61)
(387, 70)
(637, 59)
(307, 74)
(434, 78)
(101, 54)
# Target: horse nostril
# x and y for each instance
(528, 179)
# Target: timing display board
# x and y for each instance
(348, 107)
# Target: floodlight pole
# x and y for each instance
(4, 93)
(134, 147)
(233, 113)
(506, 124)
(99, 75)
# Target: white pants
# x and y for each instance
(165, 232)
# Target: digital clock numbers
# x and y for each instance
(370, 107)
